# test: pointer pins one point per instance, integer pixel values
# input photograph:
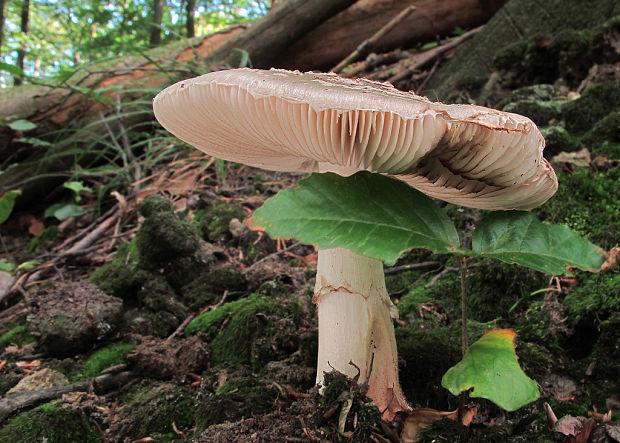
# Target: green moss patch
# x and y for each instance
(106, 357)
(51, 424)
(19, 335)
(246, 331)
(214, 221)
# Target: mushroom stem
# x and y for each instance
(355, 326)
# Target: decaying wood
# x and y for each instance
(362, 49)
(330, 42)
(102, 384)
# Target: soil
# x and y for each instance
(205, 329)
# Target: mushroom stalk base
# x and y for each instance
(355, 325)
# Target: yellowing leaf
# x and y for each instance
(490, 366)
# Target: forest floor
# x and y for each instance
(169, 319)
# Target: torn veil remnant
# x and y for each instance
(291, 121)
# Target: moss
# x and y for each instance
(19, 335)
(154, 204)
(160, 302)
(605, 130)
(209, 287)
(245, 331)
(51, 424)
(106, 357)
(428, 354)
(596, 102)
(47, 235)
(596, 296)
(536, 102)
(214, 221)
(122, 277)
(558, 139)
(589, 203)
(151, 408)
(238, 398)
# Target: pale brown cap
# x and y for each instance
(291, 121)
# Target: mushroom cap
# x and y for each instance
(292, 121)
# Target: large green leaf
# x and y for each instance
(519, 237)
(370, 214)
(490, 366)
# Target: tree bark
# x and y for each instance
(2, 4)
(21, 53)
(157, 15)
(189, 24)
(517, 20)
(331, 42)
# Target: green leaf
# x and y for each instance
(6, 266)
(12, 69)
(22, 125)
(64, 210)
(77, 187)
(490, 366)
(7, 201)
(370, 214)
(519, 237)
(34, 141)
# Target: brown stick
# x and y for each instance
(363, 47)
(101, 384)
(433, 54)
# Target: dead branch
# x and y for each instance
(362, 49)
(433, 54)
(23, 400)
(411, 267)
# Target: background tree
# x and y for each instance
(157, 14)
(21, 52)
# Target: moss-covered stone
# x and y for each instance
(558, 139)
(209, 287)
(537, 102)
(237, 398)
(151, 408)
(215, 220)
(595, 296)
(51, 424)
(19, 335)
(252, 330)
(122, 277)
(605, 130)
(105, 357)
(595, 103)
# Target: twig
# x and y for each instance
(443, 272)
(363, 47)
(101, 384)
(85, 231)
(411, 267)
(433, 54)
(275, 254)
(464, 342)
(428, 76)
(181, 327)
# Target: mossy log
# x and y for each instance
(518, 20)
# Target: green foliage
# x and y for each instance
(596, 296)
(21, 125)
(490, 366)
(51, 424)
(7, 201)
(62, 211)
(17, 335)
(519, 237)
(370, 214)
(106, 357)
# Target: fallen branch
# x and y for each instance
(411, 267)
(432, 55)
(276, 254)
(23, 400)
(363, 47)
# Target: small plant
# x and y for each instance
(331, 211)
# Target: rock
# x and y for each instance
(37, 381)
(69, 318)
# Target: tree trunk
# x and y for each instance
(331, 42)
(21, 53)
(157, 15)
(54, 108)
(2, 4)
(189, 24)
(517, 20)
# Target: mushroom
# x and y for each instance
(291, 121)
